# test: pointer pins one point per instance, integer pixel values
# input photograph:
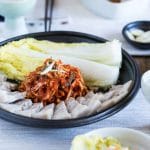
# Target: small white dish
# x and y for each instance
(133, 139)
(145, 85)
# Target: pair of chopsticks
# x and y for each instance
(48, 15)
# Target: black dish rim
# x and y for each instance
(81, 121)
(143, 46)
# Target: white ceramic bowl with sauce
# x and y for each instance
(117, 10)
(145, 85)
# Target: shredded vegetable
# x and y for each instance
(53, 82)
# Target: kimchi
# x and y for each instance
(53, 82)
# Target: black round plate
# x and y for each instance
(143, 25)
(129, 71)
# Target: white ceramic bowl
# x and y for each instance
(125, 9)
(133, 139)
(14, 12)
(145, 85)
(15, 8)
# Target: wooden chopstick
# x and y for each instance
(48, 14)
(51, 14)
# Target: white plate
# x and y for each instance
(133, 139)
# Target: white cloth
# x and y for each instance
(82, 20)
(136, 115)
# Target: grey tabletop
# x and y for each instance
(15, 137)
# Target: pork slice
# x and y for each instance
(25, 104)
(116, 87)
(61, 112)
(80, 111)
(115, 99)
(9, 97)
(76, 109)
(10, 107)
(102, 97)
(45, 113)
(82, 100)
(35, 108)
(125, 86)
(93, 106)
(89, 94)
(92, 103)
(71, 103)
(107, 96)
(85, 100)
(120, 92)
(105, 105)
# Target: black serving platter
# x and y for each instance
(143, 25)
(128, 71)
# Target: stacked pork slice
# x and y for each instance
(15, 102)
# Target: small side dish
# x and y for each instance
(113, 138)
(60, 80)
(138, 34)
(96, 142)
